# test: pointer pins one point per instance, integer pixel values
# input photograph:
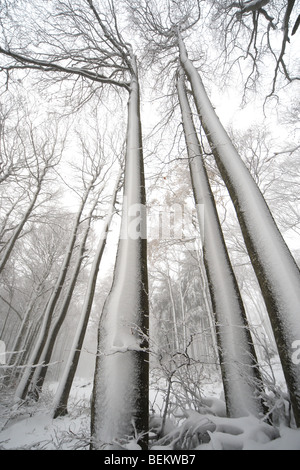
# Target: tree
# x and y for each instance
(268, 251)
(122, 364)
(65, 384)
(36, 260)
(36, 355)
(241, 378)
(56, 324)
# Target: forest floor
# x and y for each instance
(31, 427)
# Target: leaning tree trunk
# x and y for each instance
(23, 386)
(18, 230)
(241, 379)
(274, 266)
(120, 395)
(62, 394)
(41, 371)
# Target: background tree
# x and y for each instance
(88, 185)
(42, 253)
(62, 394)
(31, 152)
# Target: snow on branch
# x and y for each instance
(49, 66)
(253, 5)
(249, 6)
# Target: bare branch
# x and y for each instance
(48, 66)
(10, 306)
(247, 26)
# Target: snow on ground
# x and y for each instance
(32, 428)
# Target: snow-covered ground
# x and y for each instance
(33, 428)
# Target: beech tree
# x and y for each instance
(56, 324)
(44, 331)
(241, 378)
(65, 384)
(39, 254)
(266, 247)
(265, 244)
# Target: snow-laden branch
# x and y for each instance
(246, 7)
(117, 43)
(253, 5)
(49, 66)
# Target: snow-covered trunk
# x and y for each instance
(62, 394)
(22, 389)
(275, 267)
(41, 371)
(19, 343)
(173, 312)
(183, 317)
(120, 395)
(208, 305)
(236, 351)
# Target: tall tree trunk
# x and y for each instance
(241, 379)
(183, 316)
(208, 306)
(274, 266)
(173, 312)
(120, 395)
(62, 394)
